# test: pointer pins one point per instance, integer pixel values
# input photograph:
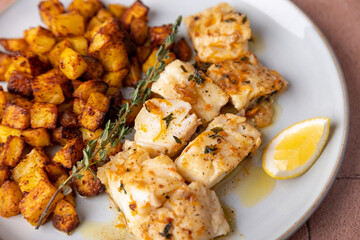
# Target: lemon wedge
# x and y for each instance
(295, 149)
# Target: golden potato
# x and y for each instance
(114, 56)
(65, 106)
(6, 131)
(150, 62)
(158, 34)
(115, 79)
(72, 64)
(27, 62)
(94, 71)
(139, 31)
(14, 44)
(2, 102)
(33, 204)
(68, 119)
(48, 9)
(20, 83)
(40, 40)
(68, 24)
(37, 158)
(9, 71)
(87, 88)
(92, 24)
(4, 174)
(87, 186)
(103, 14)
(54, 54)
(94, 113)
(62, 135)
(134, 73)
(79, 106)
(10, 197)
(70, 153)
(55, 171)
(112, 91)
(87, 8)
(65, 218)
(13, 150)
(182, 50)
(43, 115)
(88, 135)
(17, 114)
(132, 115)
(143, 52)
(29, 181)
(136, 10)
(38, 137)
(99, 41)
(79, 44)
(5, 62)
(117, 10)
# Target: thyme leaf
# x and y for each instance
(168, 119)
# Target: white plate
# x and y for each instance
(291, 44)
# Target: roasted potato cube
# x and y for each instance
(2, 102)
(112, 91)
(55, 171)
(72, 64)
(5, 62)
(43, 115)
(95, 69)
(40, 40)
(117, 10)
(150, 62)
(134, 73)
(114, 56)
(10, 196)
(13, 150)
(79, 106)
(65, 106)
(132, 115)
(28, 62)
(9, 71)
(51, 87)
(65, 218)
(20, 83)
(68, 24)
(115, 79)
(36, 158)
(87, 186)
(49, 9)
(136, 10)
(95, 110)
(87, 88)
(139, 31)
(98, 42)
(62, 135)
(70, 153)
(38, 137)
(103, 14)
(6, 131)
(29, 181)
(68, 119)
(182, 50)
(17, 114)
(4, 174)
(76, 83)
(14, 44)
(143, 52)
(54, 54)
(88, 135)
(158, 34)
(33, 204)
(87, 8)
(92, 24)
(79, 44)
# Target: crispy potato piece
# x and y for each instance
(33, 204)
(4, 174)
(94, 71)
(29, 181)
(6, 131)
(115, 79)
(43, 115)
(13, 150)
(95, 110)
(55, 171)
(65, 218)
(87, 88)
(28, 62)
(68, 24)
(158, 34)
(14, 44)
(143, 52)
(88, 135)
(37, 158)
(5, 62)
(150, 62)
(68, 119)
(20, 83)
(10, 197)
(65, 106)
(139, 31)
(38, 137)
(2, 102)
(87, 8)
(87, 186)
(98, 42)
(48, 9)
(51, 87)
(54, 54)
(136, 10)
(117, 10)
(79, 106)
(9, 71)
(114, 56)
(70, 153)
(92, 24)
(76, 83)
(132, 115)
(62, 135)
(103, 14)
(182, 50)
(72, 64)
(79, 44)
(17, 114)
(40, 40)
(112, 91)
(134, 73)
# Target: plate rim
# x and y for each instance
(345, 134)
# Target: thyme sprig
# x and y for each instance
(116, 131)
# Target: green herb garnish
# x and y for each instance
(166, 233)
(177, 139)
(210, 149)
(168, 119)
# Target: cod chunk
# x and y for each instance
(205, 97)
(219, 149)
(219, 33)
(164, 126)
